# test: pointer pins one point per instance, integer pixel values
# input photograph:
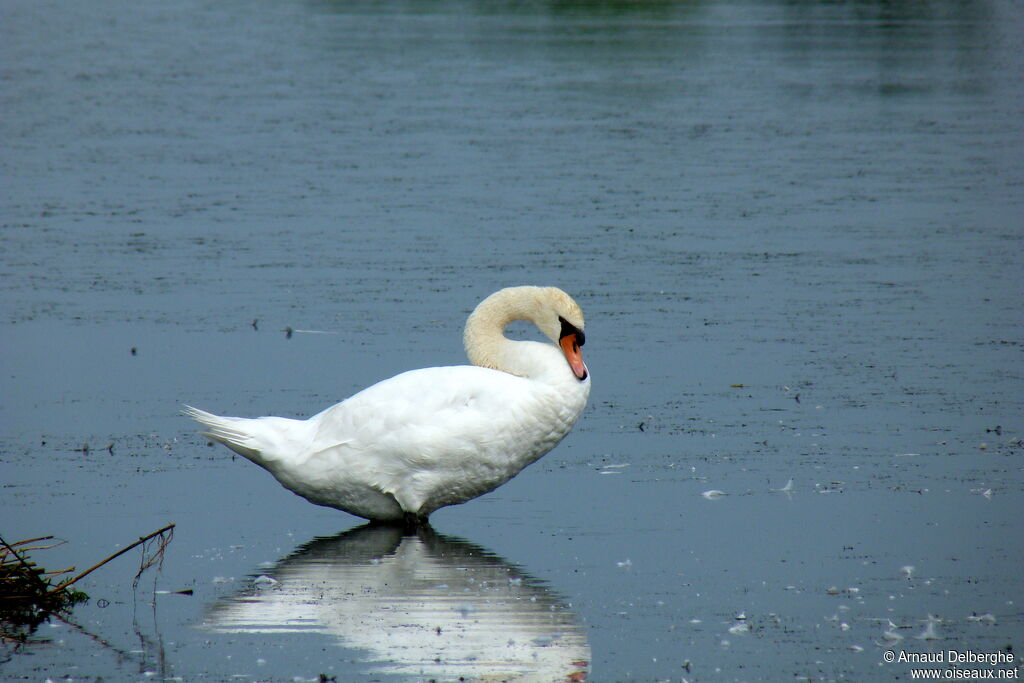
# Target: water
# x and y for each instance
(795, 229)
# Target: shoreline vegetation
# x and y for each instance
(31, 594)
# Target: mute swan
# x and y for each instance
(427, 438)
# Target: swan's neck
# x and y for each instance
(484, 336)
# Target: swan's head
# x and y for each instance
(561, 320)
(553, 311)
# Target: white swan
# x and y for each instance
(427, 438)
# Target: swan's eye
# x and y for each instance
(568, 328)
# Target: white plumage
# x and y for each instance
(428, 438)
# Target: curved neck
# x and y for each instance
(484, 335)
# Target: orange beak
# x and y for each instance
(573, 354)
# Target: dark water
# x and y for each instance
(796, 230)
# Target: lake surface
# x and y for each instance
(797, 232)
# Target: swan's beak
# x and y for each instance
(572, 352)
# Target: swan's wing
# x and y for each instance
(424, 414)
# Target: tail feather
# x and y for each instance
(226, 430)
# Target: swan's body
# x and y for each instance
(427, 438)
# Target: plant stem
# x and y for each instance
(64, 584)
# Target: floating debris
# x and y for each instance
(889, 635)
(985, 618)
(788, 488)
(713, 494)
(930, 631)
(289, 331)
(741, 625)
(264, 582)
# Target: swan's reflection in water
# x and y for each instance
(423, 605)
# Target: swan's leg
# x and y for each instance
(412, 522)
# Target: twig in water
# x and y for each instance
(90, 570)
